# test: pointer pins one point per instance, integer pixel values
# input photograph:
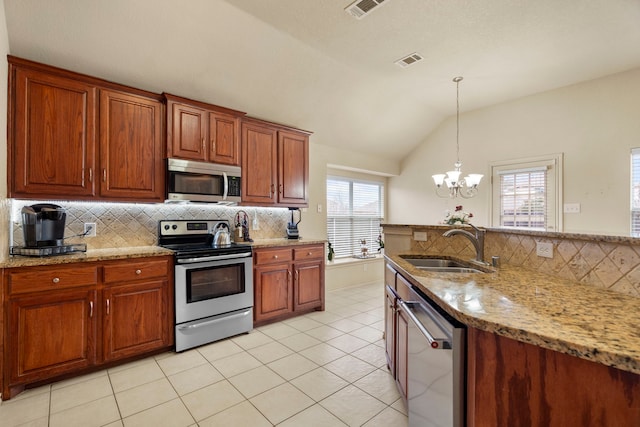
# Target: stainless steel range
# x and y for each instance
(213, 284)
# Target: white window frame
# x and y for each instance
(553, 163)
(372, 245)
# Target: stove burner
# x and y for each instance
(194, 238)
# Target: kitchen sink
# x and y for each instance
(442, 265)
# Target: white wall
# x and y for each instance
(4, 212)
(595, 124)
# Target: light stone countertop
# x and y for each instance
(584, 321)
(90, 255)
(132, 252)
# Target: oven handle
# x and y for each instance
(213, 258)
(213, 321)
(226, 186)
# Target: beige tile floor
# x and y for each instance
(321, 369)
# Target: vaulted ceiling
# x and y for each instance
(309, 64)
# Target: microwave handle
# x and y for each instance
(226, 186)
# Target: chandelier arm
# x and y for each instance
(447, 195)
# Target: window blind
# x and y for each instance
(635, 192)
(523, 198)
(354, 213)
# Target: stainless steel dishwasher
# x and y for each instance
(435, 366)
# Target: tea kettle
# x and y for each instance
(222, 237)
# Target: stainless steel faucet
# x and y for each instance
(477, 240)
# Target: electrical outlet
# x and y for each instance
(89, 229)
(420, 236)
(544, 249)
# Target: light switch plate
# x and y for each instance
(544, 249)
(571, 208)
(420, 236)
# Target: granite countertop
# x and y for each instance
(266, 243)
(553, 313)
(90, 255)
(133, 252)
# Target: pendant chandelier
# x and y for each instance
(466, 187)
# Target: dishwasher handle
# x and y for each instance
(438, 339)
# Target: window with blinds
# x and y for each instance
(523, 199)
(355, 210)
(526, 193)
(635, 192)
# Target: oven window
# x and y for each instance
(215, 282)
(191, 183)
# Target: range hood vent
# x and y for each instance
(409, 60)
(361, 8)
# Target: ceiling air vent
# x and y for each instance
(361, 8)
(409, 60)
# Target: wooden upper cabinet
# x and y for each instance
(224, 139)
(293, 168)
(203, 132)
(76, 137)
(259, 164)
(131, 148)
(52, 136)
(275, 165)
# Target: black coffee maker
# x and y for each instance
(43, 225)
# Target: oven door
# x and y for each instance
(205, 289)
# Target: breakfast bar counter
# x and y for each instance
(553, 313)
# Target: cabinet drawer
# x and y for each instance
(135, 270)
(308, 252)
(271, 256)
(46, 279)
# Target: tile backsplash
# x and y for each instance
(604, 261)
(122, 224)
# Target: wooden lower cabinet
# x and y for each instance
(51, 334)
(396, 329)
(510, 383)
(70, 318)
(287, 281)
(273, 291)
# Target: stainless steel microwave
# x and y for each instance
(192, 181)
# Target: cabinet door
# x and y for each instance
(402, 333)
(51, 334)
(188, 127)
(131, 147)
(53, 137)
(308, 285)
(135, 319)
(259, 166)
(273, 291)
(293, 169)
(390, 329)
(224, 139)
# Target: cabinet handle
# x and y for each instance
(203, 145)
(289, 271)
(108, 305)
(280, 188)
(275, 257)
(90, 308)
(56, 280)
(90, 174)
(297, 276)
(104, 175)
(138, 271)
(213, 145)
(309, 253)
(272, 191)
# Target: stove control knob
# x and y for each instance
(174, 226)
(166, 226)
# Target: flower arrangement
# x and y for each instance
(458, 216)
